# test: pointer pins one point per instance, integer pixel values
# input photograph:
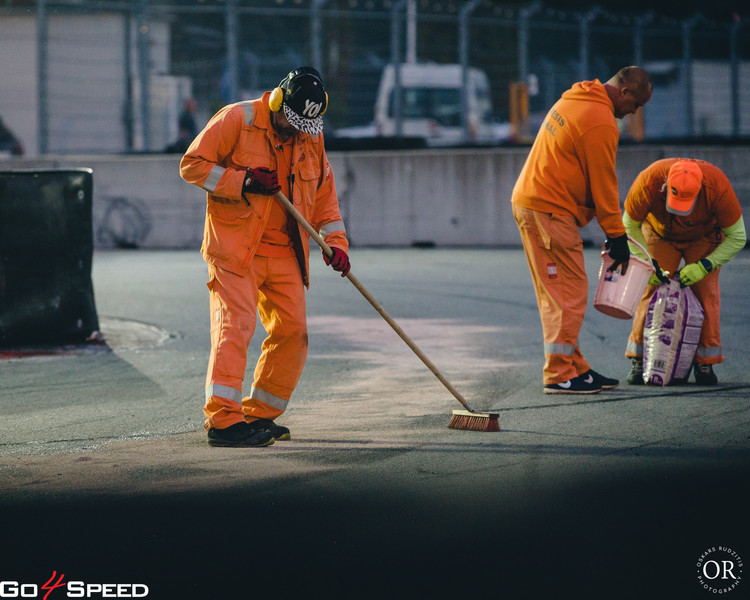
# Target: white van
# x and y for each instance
(431, 107)
(431, 104)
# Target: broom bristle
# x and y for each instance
(469, 421)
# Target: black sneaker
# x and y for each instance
(239, 434)
(635, 377)
(279, 432)
(606, 383)
(704, 374)
(583, 384)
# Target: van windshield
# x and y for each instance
(440, 104)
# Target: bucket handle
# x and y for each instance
(651, 258)
(646, 252)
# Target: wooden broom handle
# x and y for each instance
(375, 304)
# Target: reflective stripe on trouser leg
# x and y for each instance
(232, 304)
(554, 252)
(709, 356)
(566, 349)
(634, 350)
(559, 356)
(262, 405)
(282, 310)
(223, 391)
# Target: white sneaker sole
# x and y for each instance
(563, 391)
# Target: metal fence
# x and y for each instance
(222, 51)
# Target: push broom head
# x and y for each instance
(474, 421)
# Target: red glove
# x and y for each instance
(261, 181)
(339, 261)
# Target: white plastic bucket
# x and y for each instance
(617, 295)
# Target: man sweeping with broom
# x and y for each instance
(270, 189)
(257, 254)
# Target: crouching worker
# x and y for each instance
(257, 254)
(685, 209)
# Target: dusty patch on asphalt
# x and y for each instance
(127, 334)
(113, 334)
(391, 374)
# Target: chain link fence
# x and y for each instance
(113, 76)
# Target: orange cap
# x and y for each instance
(683, 184)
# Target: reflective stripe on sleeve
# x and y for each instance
(213, 179)
(224, 391)
(330, 228)
(270, 399)
(565, 349)
(711, 352)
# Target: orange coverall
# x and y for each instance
(672, 237)
(568, 178)
(257, 255)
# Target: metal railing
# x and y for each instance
(228, 50)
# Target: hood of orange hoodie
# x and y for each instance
(589, 91)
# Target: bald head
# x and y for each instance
(635, 78)
(629, 89)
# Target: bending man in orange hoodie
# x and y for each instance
(568, 178)
(257, 254)
(685, 209)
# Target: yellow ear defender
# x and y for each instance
(326, 106)
(276, 99)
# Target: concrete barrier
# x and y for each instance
(46, 248)
(458, 197)
(140, 201)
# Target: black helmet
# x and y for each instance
(303, 98)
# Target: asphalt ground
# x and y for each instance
(106, 477)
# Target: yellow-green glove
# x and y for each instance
(660, 276)
(694, 272)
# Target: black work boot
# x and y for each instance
(279, 432)
(704, 374)
(635, 377)
(239, 434)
